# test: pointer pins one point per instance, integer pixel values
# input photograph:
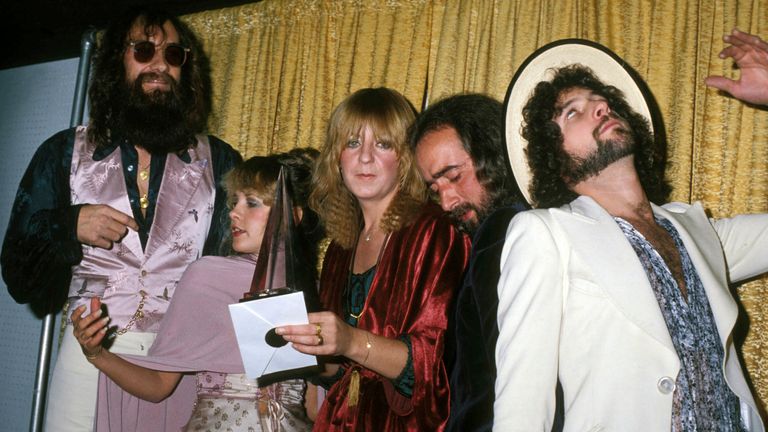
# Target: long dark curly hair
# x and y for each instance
(479, 121)
(546, 156)
(109, 79)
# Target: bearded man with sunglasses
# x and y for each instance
(119, 208)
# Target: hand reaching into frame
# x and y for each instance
(751, 56)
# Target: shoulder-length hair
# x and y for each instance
(109, 79)
(388, 114)
(546, 156)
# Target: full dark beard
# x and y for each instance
(468, 226)
(607, 152)
(155, 121)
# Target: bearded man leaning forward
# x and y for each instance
(118, 209)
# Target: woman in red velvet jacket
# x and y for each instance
(388, 276)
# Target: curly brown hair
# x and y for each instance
(109, 79)
(388, 113)
(546, 156)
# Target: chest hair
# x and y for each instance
(664, 244)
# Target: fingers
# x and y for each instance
(124, 219)
(741, 44)
(733, 51)
(720, 83)
(307, 340)
(312, 344)
(117, 223)
(304, 334)
(740, 38)
(95, 303)
(320, 337)
(750, 54)
(89, 330)
(75, 316)
(102, 225)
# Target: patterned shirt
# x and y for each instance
(702, 401)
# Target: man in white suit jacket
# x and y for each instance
(577, 300)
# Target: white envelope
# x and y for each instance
(253, 319)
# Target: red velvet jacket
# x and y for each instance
(420, 269)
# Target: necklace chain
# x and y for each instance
(368, 235)
(144, 176)
(144, 171)
(347, 289)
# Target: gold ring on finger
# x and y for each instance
(318, 329)
(319, 339)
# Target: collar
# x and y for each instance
(105, 150)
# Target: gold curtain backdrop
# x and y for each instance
(280, 66)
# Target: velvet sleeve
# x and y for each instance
(40, 244)
(435, 270)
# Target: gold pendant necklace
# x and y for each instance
(144, 173)
(367, 237)
(348, 288)
(144, 176)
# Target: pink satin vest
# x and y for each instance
(125, 275)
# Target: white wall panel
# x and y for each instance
(35, 103)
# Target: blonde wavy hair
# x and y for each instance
(388, 114)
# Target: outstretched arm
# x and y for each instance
(144, 383)
(751, 56)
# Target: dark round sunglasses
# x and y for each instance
(144, 51)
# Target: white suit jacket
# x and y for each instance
(575, 303)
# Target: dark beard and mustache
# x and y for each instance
(468, 226)
(607, 152)
(156, 120)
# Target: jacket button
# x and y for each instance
(666, 385)
(143, 273)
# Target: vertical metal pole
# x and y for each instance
(49, 322)
(83, 74)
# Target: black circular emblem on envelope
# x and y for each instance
(274, 339)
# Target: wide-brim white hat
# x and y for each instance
(541, 66)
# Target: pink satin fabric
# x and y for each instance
(182, 219)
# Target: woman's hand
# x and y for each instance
(326, 335)
(89, 330)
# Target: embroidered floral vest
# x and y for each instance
(136, 284)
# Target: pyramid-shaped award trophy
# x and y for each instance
(282, 292)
